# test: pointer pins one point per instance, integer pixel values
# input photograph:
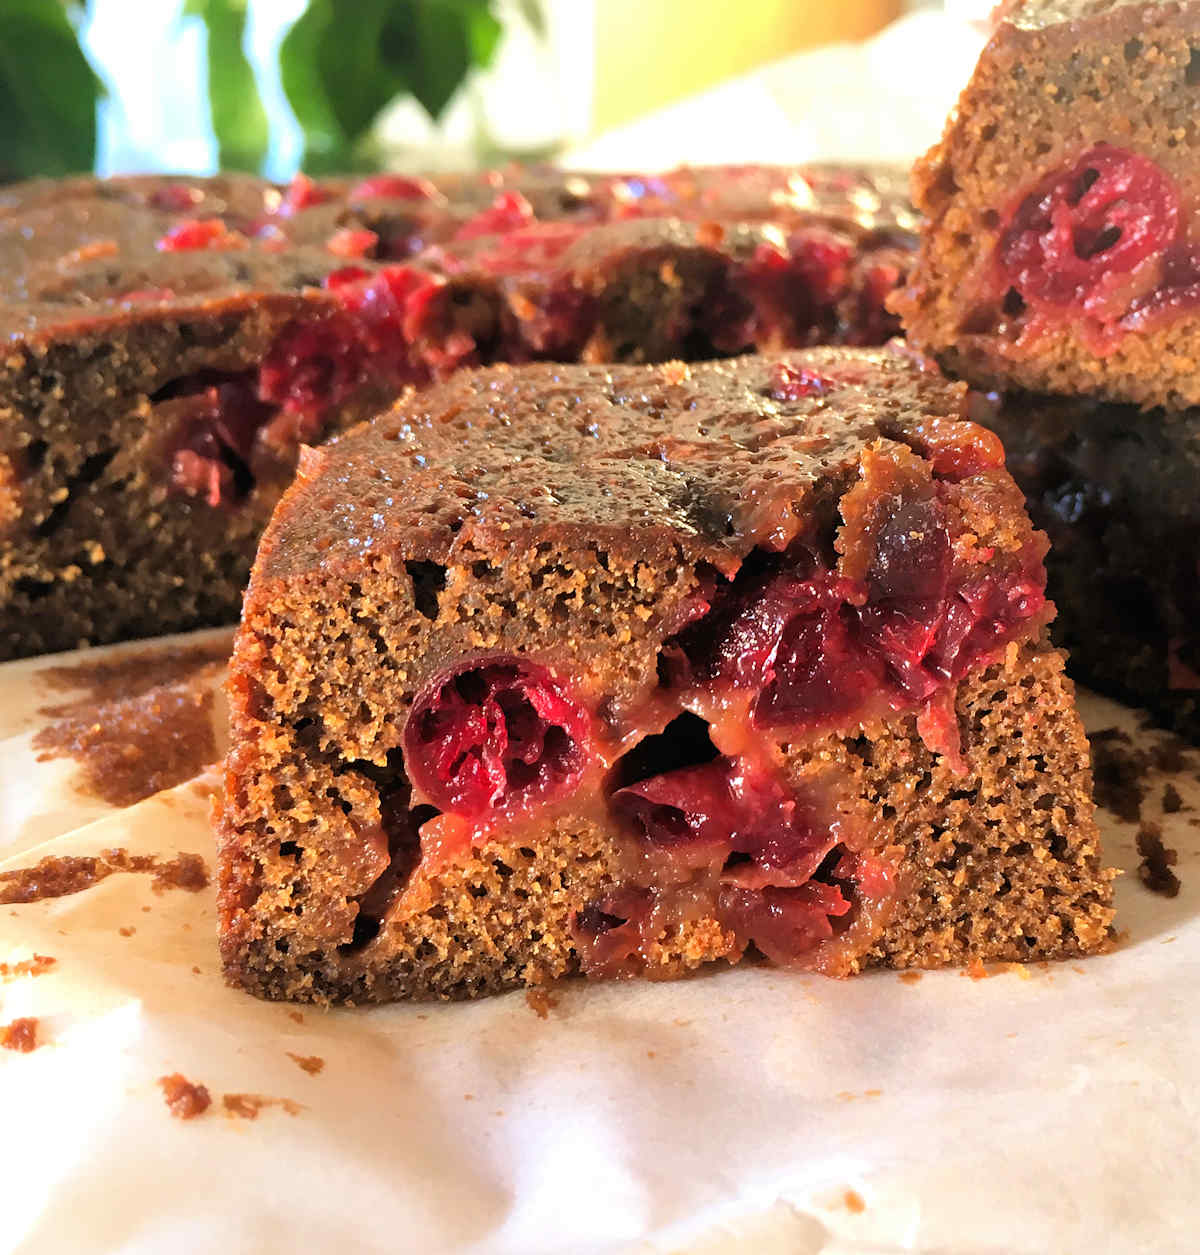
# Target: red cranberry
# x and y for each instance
(348, 242)
(1178, 291)
(958, 449)
(794, 383)
(393, 187)
(198, 233)
(785, 924)
(609, 932)
(496, 736)
(175, 197)
(508, 212)
(312, 366)
(701, 815)
(216, 430)
(1082, 230)
(302, 193)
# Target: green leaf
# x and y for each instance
(238, 117)
(345, 61)
(534, 14)
(48, 93)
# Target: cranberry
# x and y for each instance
(393, 187)
(958, 449)
(198, 233)
(496, 736)
(1178, 291)
(214, 439)
(348, 242)
(175, 197)
(302, 193)
(785, 924)
(312, 366)
(793, 383)
(793, 288)
(701, 815)
(507, 212)
(609, 932)
(1077, 236)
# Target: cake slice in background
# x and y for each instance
(629, 669)
(1062, 247)
(1118, 494)
(171, 343)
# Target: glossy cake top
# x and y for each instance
(716, 458)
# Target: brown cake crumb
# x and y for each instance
(247, 1106)
(20, 1035)
(133, 674)
(57, 876)
(131, 748)
(127, 931)
(540, 1001)
(1118, 769)
(1172, 801)
(1154, 870)
(854, 1202)
(910, 978)
(27, 967)
(312, 1064)
(184, 1099)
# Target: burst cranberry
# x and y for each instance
(785, 924)
(508, 212)
(176, 197)
(392, 186)
(312, 366)
(348, 242)
(958, 449)
(302, 193)
(1080, 233)
(793, 383)
(1178, 291)
(215, 432)
(199, 233)
(609, 932)
(497, 736)
(701, 815)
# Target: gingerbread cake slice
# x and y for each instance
(1116, 492)
(625, 670)
(170, 344)
(1062, 246)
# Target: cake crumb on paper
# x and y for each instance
(1154, 871)
(20, 1035)
(185, 1100)
(312, 1064)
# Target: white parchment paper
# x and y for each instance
(1046, 1109)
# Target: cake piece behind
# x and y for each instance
(625, 670)
(171, 343)
(1062, 247)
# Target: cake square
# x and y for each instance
(625, 670)
(170, 344)
(1115, 491)
(1061, 252)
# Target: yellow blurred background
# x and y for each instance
(649, 53)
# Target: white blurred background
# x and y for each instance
(610, 83)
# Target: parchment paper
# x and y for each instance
(1044, 1109)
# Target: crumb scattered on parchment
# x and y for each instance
(1172, 801)
(312, 1064)
(145, 724)
(976, 969)
(854, 1201)
(247, 1106)
(910, 978)
(20, 1035)
(540, 1001)
(127, 931)
(35, 966)
(1118, 769)
(58, 876)
(298, 1016)
(1154, 871)
(185, 1100)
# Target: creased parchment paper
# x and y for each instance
(1048, 1109)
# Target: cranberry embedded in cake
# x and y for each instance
(624, 670)
(1061, 252)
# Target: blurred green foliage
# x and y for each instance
(342, 63)
(48, 92)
